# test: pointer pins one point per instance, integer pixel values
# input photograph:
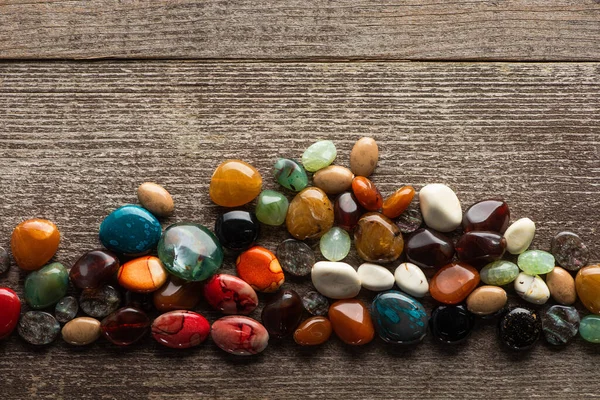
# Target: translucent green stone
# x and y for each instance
(499, 273)
(536, 262)
(46, 286)
(335, 244)
(319, 155)
(271, 207)
(290, 174)
(589, 329)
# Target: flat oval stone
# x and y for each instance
(99, 302)
(569, 251)
(310, 214)
(398, 318)
(429, 249)
(45, 287)
(334, 179)
(535, 262)
(519, 235)
(155, 199)
(520, 328)
(315, 303)
(453, 283)
(190, 251)
(487, 300)
(271, 208)
(532, 288)
(364, 156)
(560, 324)
(237, 230)
(347, 211)
(451, 324)
(238, 335)
(38, 328)
(81, 331)
(319, 155)
(177, 294)
(261, 269)
(10, 310)
(398, 202)
(487, 215)
(410, 220)
(587, 283)
(499, 273)
(180, 329)
(377, 238)
(290, 174)
(351, 322)
(33, 243)
(230, 295)
(335, 244)
(589, 329)
(313, 332)
(440, 207)
(142, 275)
(94, 268)
(66, 309)
(234, 183)
(125, 326)
(562, 286)
(336, 280)
(282, 314)
(130, 230)
(4, 260)
(366, 193)
(295, 257)
(375, 277)
(411, 279)
(480, 248)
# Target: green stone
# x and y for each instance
(46, 286)
(536, 262)
(335, 244)
(290, 174)
(589, 329)
(319, 155)
(271, 207)
(499, 273)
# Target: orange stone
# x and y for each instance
(143, 275)
(377, 238)
(177, 294)
(34, 242)
(367, 193)
(398, 202)
(351, 322)
(313, 331)
(310, 214)
(453, 283)
(234, 183)
(260, 269)
(587, 283)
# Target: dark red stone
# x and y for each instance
(347, 211)
(93, 269)
(427, 249)
(180, 329)
(10, 309)
(125, 326)
(487, 215)
(282, 315)
(479, 248)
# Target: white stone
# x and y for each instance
(411, 279)
(336, 280)
(532, 288)
(375, 277)
(519, 235)
(440, 207)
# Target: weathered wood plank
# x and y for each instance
(77, 138)
(292, 29)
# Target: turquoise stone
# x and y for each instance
(130, 230)
(399, 318)
(589, 329)
(319, 155)
(271, 207)
(190, 251)
(499, 273)
(335, 244)
(46, 286)
(536, 262)
(290, 174)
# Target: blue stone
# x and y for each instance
(130, 230)
(399, 318)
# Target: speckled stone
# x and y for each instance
(4, 260)
(411, 219)
(66, 309)
(38, 328)
(315, 303)
(569, 251)
(560, 324)
(100, 302)
(398, 318)
(295, 257)
(520, 328)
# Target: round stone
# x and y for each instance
(230, 295)
(239, 335)
(569, 251)
(562, 286)
(347, 211)
(440, 207)
(334, 179)
(487, 300)
(429, 249)
(38, 328)
(319, 155)
(560, 324)
(282, 314)
(480, 248)
(4, 260)
(261, 269)
(335, 244)
(410, 220)
(398, 202)
(81, 331)
(155, 199)
(142, 275)
(45, 287)
(33, 243)
(364, 156)
(487, 215)
(499, 273)
(130, 230)
(377, 238)
(94, 268)
(399, 319)
(366, 193)
(451, 324)
(312, 332)
(375, 277)
(234, 183)
(336, 280)
(10, 310)
(125, 326)
(315, 303)
(587, 283)
(290, 174)
(310, 214)
(180, 329)
(589, 329)
(411, 279)
(532, 288)
(520, 328)
(351, 322)
(453, 283)
(99, 302)
(66, 309)
(295, 257)
(519, 235)
(237, 230)
(271, 208)
(536, 262)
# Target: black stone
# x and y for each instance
(237, 230)
(451, 324)
(520, 328)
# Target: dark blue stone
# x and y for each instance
(398, 318)
(130, 230)
(451, 324)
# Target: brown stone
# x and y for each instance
(155, 199)
(562, 286)
(81, 331)
(486, 300)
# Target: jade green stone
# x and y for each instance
(46, 286)
(335, 244)
(271, 207)
(589, 329)
(499, 273)
(290, 174)
(536, 262)
(319, 155)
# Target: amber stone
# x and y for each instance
(261, 269)
(453, 283)
(347, 211)
(587, 283)
(487, 215)
(398, 202)
(310, 214)
(377, 238)
(93, 269)
(351, 322)
(312, 332)
(480, 248)
(143, 275)
(234, 183)
(34, 242)
(427, 248)
(125, 326)
(282, 314)
(367, 193)
(177, 294)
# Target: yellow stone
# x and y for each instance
(235, 183)
(310, 214)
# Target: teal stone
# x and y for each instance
(190, 251)
(290, 174)
(589, 328)
(319, 155)
(499, 273)
(536, 262)
(560, 324)
(335, 244)
(130, 230)
(271, 207)
(399, 318)
(46, 286)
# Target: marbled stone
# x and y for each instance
(38, 328)
(10, 310)
(562, 286)
(587, 283)
(290, 174)
(520, 328)
(440, 207)
(499, 273)
(377, 238)
(310, 214)
(234, 183)
(453, 283)
(155, 199)
(519, 235)
(282, 313)
(4, 260)
(99, 302)
(336, 280)
(335, 244)
(319, 155)
(351, 322)
(261, 269)
(589, 328)
(487, 300)
(237, 230)
(295, 257)
(271, 208)
(177, 294)
(347, 211)
(142, 275)
(398, 202)
(532, 288)
(410, 220)
(375, 277)
(569, 251)
(66, 309)
(411, 279)
(536, 262)
(313, 332)
(487, 215)
(429, 249)
(398, 318)
(180, 329)
(125, 326)
(94, 268)
(238, 335)
(45, 287)
(366, 193)
(480, 248)
(334, 179)
(364, 156)
(560, 324)
(130, 230)
(33, 243)
(315, 303)
(81, 331)
(451, 324)
(230, 295)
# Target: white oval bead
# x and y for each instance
(375, 277)
(336, 280)
(519, 235)
(411, 279)
(440, 207)
(532, 288)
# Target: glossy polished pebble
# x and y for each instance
(315, 303)
(180, 329)
(377, 238)
(10, 310)
(271, 208)
(310, 214)
(480, 248)
(234, 183)
(335, 244)
(351, 322)
(319, 155)
(587, 283)
(290, 174)
(230, 295)
(569, 251)
(440, 207)
(33, 243)
(336, 280)
(536, 262)
(487, 300)
(399, 319)
(282, 313)
(532, 288)
(411, 279)
(143, 301)
(313, 332)
(155, 199)
(125, 326)
(560, 324)
(45, 287)
(295, 257)
(4, 260)
(94, 268)
(177, 294)
(190, 251)
(366, 193)
(410, 220)
(334, 179)
(562, 286)
(589, 328)
(487, 215)
(451, 324)
(375, 277)
(429, 249)
(520, 328)
(81, 331)
(364, 157)
(130, 230)
(142, 275)
(347, 211)
(499, 273)
(66, 309)
(519, 235)
(453, 283)
(261, 269)
(238, 335)
(237, 230)
(99, 302)
(398, 202)
(38, 328)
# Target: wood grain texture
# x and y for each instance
(292, 29)
(77, 138)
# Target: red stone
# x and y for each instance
(347, 211)
(93, 269)
(480, 248)
(487, 215)
(367, 193)
(10, 309)
(240, 335)
(180, 329)
(125, 326)
(453, 283)
(230, 295)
